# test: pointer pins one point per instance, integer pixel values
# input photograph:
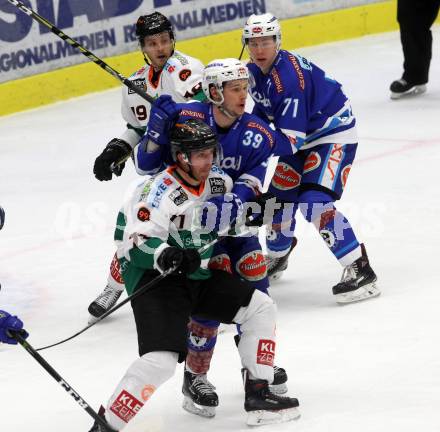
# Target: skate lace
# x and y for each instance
(107, 298)
(202, 385)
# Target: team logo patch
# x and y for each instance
(178, 196)
(115, 270)
(147, 392)
(140, 82)
(344, 175)
(184, 74)
(266, 352)
(312, 162)
(217, 185)
(257, 30)
(126, 406)
(326, 217)
(220, 262)
(285, 177)
(143, 214)
(252, 266)
(329, 237)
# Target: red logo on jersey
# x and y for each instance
(285, 177)
(312, 162)
(252, 266)
(184, 74)
(143, 214)
(277, 81)
(167, 181)
(266, 352)
(344, 175)
(126, 406)
(115, 270)
(336, 155)
(221, 262)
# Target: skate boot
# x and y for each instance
(199, 395)
(264, 407)
(401, 87)
(276, 266)
(105, 301)
(358, 281)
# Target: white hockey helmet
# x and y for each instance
(219, 71)
(260, 26)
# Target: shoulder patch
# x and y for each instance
(183, 60)
(157, 191)
(218, 185)
(143, 214)
(262, 129)
(298, 70)
(184, 74)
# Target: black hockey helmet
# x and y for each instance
(193, 135)
(148, 25)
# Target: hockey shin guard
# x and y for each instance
(257, 341)
(140, 381)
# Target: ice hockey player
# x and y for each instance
(247, 142)
(10, 323)
(161, 228)
(167, 71)
(310, 108)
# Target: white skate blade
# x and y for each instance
(413, 91)
(364, 293)
(278, 389)
(264, 417)
(203, 411)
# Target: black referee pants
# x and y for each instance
(415, 18)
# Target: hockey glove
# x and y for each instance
(186, 261)
(266, 202)
(220, 213)
(9, 322)
(164, 113)
(115, 150)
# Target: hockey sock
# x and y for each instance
(257, 340)
(279, 235)
(140, 381)
(115, 280)
(335, 230)
(202, 337)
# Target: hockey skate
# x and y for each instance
(276, 266)
(200, 397)
(358, 281)
(264, 407)
(401, 88)
(105, 301)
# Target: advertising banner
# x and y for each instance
(107, 27)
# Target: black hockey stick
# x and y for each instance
(137, 293)
(101, 63)
(18, 336)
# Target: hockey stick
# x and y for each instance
(18, 336)
(137, 293)
(101, 63)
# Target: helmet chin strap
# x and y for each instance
(224, 111)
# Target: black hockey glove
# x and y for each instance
(2, 217)
(187, 261)
(265, 201)
(115, 150)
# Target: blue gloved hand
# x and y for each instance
(220, 212)
(164, 113)
(10, 322)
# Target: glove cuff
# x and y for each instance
(157, 254)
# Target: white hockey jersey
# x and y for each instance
(181, 78)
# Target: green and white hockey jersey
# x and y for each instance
(162, 212)
(181, 78)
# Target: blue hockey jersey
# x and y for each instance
(302, 102)
(246, 147)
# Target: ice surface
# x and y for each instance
(367, 367)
